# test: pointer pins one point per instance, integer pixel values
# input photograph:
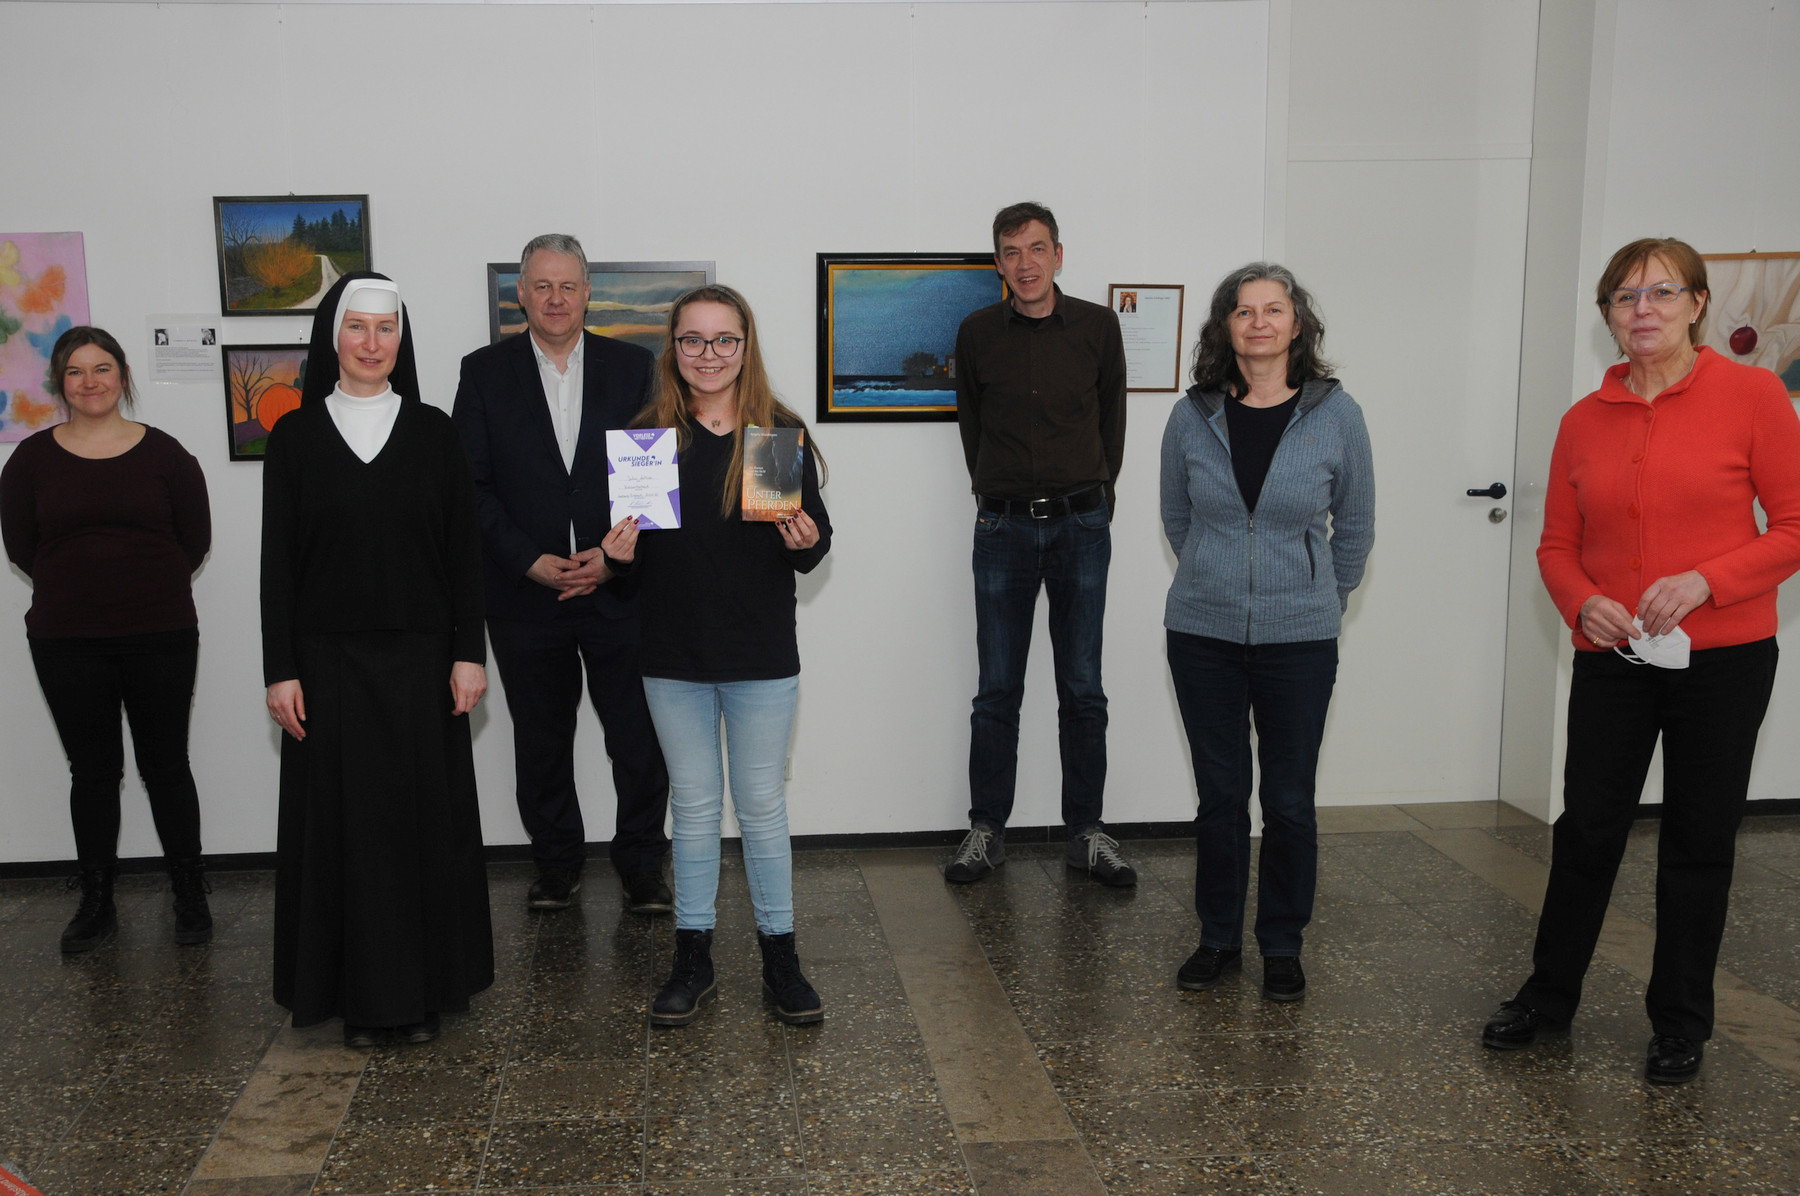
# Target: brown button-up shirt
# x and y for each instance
(1041, 405)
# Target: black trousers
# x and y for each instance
(541, 665)
(1707, 716)
(85, 682)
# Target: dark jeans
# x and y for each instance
(1708, 715)
(1068, 556)
(86, 681)
(541, 666)
(1286, 688)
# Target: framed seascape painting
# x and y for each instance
(43, 293)
(262, 384)
(279, 254)
(629, 301)
(1755, 311)
(887, 331)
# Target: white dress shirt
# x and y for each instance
(562, 391)
(365, 424)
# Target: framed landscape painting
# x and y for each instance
(262, 384)
(887, 331)
(629, 301)
(279, 254)
(1754, 311)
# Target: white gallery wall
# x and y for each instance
(752, 135)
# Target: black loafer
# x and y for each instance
(419, 1033)
(1283, 978)
(648, 893)
(555, 888)
(1673, 1059)
(1516, 1025)
(1206, 967)
(363, 1036)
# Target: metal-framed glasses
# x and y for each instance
(694, 346)
(1662, 294)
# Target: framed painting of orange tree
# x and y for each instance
(262, 384)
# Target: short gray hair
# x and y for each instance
(553, 243)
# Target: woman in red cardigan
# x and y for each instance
(1650, 547)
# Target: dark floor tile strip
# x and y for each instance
(1763, 1025)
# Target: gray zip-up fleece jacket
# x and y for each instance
(1285, 574)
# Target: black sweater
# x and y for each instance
(717, 593)
(111, 544)
(390, 545)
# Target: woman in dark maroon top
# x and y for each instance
(96, 497)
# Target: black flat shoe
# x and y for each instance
(1283, 978)
(648, 893)
(1206, 967)
(555, 888)
(1516, 1025)
(1673, 1059)
(419, 1033)
(363, 1036)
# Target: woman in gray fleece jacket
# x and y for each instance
(1268, 498)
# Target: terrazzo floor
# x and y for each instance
(1020, 1035)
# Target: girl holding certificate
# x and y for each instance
(718, 643)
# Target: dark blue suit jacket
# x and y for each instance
(525, 497)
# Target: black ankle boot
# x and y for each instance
(96, 918)
(690, 984)
(193, 919)
(796, 1002)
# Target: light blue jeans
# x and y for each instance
(759, 716)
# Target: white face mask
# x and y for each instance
(1664, 651)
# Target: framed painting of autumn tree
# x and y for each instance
(262, 384)
(279, 254)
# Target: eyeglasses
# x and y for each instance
(1662, 294)
(694, 346)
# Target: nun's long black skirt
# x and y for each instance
(381, 900)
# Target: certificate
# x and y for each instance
(642, 477)
(1150, 319)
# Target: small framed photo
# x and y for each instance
(629, 301)
(279, 254)
(887, 331)
(262, 384)
(1150, 320)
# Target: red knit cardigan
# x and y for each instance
(1641, 490)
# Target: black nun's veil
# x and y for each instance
(322, 358)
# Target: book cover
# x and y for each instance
(773, 463)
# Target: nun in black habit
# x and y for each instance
(373, 654)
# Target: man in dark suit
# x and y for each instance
(533, 410)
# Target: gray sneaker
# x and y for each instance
(1097, 853)
(983, 850)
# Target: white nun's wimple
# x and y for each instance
(375, 296)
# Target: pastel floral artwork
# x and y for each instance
(43, 293)
(1754, 315)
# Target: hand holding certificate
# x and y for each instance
(642, 476)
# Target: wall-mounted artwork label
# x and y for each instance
(262, 384)
(887, 331)
(628, 301)
(1753, 315)
(43, 293)
(182, 348)
(278, 255)
(1150, 322)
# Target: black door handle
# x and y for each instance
(1497, 490)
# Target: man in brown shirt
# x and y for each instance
(1040, 398)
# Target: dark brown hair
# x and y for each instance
(1682, 258)
(1013, 217)
(1215, 362)
(757, 405)
(78, 337)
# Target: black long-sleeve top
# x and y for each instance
(110, 544)
(717, 594)
(1041, 402)
(388, 545)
